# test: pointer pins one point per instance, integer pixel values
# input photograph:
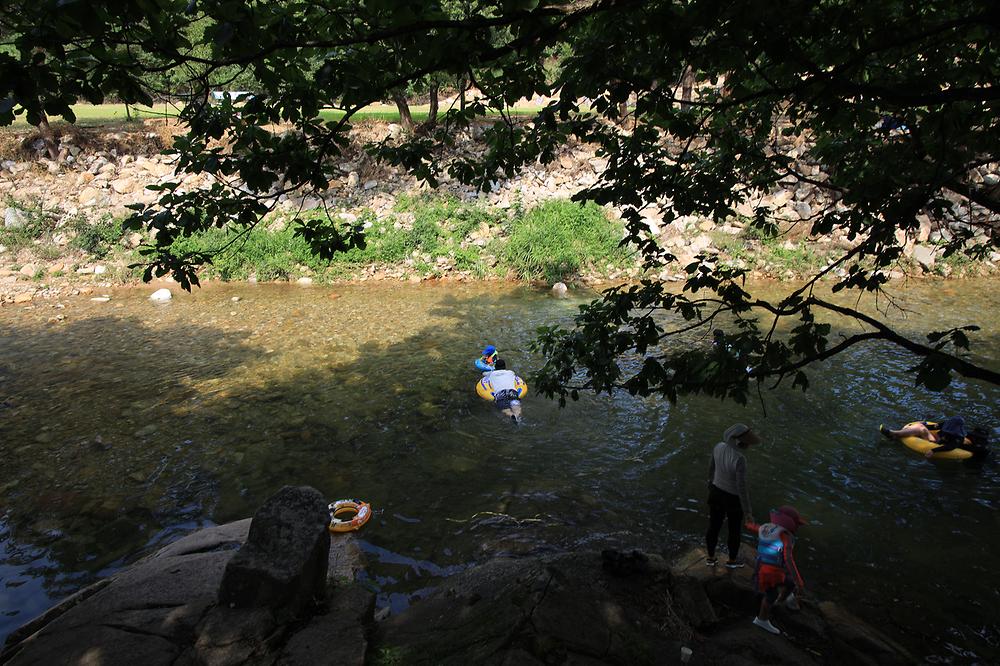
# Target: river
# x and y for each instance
(129, 423)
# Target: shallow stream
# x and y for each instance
(129, 423)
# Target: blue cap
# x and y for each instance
(490, 350)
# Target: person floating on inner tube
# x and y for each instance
(505, 395)
(486, 362)
(950, 435)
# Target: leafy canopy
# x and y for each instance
(777, 87)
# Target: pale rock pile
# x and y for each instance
(106, 182)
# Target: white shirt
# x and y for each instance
(501, 380)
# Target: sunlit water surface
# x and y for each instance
(130, 423)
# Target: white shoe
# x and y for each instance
(792, 603)
(767, 626)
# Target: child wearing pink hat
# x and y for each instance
(776, 574)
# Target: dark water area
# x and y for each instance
(131, 423)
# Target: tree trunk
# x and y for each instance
(405, 119)
(461, 93)
(45, 132)
(687, 87)
(432, 111)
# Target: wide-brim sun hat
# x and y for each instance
(735, 432)
(787, 517)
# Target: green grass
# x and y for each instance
(96, 238)
(99, 114)
(269, 255)
(801, 259)
(736, 247)
(437, 229)
(553, 241)
(559, 239)
(955, 264)
(760, 250)
(38, 225)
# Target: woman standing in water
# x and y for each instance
(728, 493)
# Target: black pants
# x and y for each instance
(723, 506)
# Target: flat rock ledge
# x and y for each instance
(277, 589)
(618, 608)
(274, 589)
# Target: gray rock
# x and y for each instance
(283, 563)
(234, 636)
(692, 602)
(14, 218)
(336, 638)
(856, 638)
(353, 180)
(991, 179)
(559, 289)
(162, 610)
(561, 609)
(147, 613)
(700, 243)
(209, 540)
(755, 646)
(802, 209)
(924, 256)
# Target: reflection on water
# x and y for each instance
(130, 423)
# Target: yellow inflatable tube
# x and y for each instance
(485, 389)
(922, 446)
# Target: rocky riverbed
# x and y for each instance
(99, 173)
(278, 589)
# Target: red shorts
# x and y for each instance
(771, 579)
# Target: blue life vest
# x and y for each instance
(770, 548)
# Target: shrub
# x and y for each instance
(96, 238)
(270, 255)
(557, 239)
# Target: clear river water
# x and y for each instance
(128, 424)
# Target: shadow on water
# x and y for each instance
(88, 476)
(121, 432)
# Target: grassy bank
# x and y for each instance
(422, 236)
(431, 237)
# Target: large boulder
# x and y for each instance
(282, 565)
(164, 609)
(144, 615)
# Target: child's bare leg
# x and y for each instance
(765, 610)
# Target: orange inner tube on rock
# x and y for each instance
(361, 514)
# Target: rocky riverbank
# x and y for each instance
(61, 218)
(278, 589)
